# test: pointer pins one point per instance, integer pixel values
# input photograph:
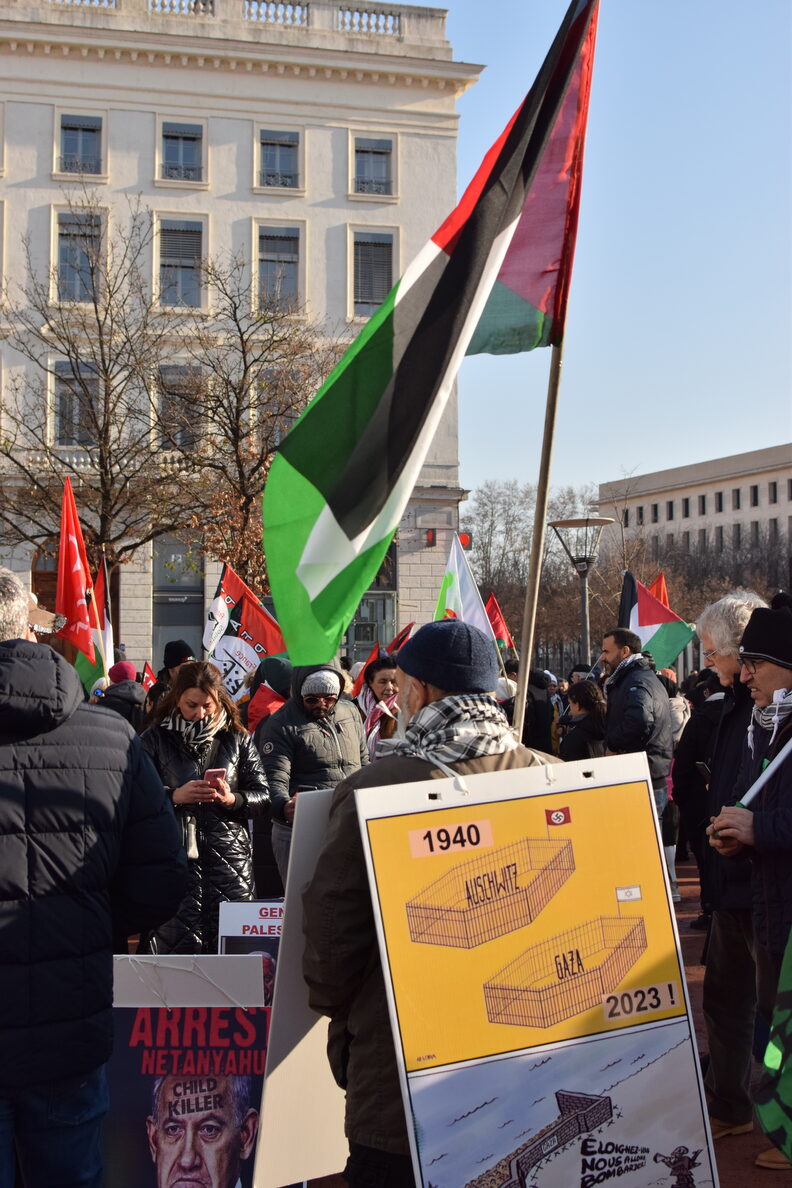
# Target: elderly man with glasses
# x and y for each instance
(315, 740)
(764, 831)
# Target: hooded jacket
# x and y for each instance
(299, 752)
(639, 717)
(90, 849)
(127, 698)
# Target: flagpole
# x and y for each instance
(538, 538)
(97, 624)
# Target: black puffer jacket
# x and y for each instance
(299, 752)
(728, 879)
(639, 717)
(89, 848)
(584, 739)
(223, 870)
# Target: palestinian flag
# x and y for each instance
(459, 596)
(503, 637)
(239, 632)
(101, 633)
(494, 278)
(661, 632)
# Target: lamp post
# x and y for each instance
(580, 540)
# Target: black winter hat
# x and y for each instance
(176, 652)
(768, 636)
(453, 656)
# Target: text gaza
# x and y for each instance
(193, 1027)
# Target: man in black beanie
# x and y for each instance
(446, 676)
(765, 829)
(176, 653)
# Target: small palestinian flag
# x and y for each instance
(459, 596)
(494, 278)
(773, 1096)
(662, 633)
(101, 633)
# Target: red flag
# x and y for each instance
(358, 685)
(560, 816)
(499, 629)
(400, 638)
(659, 589)
(149, 678)
(74, 589)
(265, 701)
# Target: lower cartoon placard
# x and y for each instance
(535, 981)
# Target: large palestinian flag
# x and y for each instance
(662, 633)
(493, 278)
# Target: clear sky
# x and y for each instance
(679, 331)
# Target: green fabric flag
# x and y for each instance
(773, 1100)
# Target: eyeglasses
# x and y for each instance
(315, 698)
(709, 655)
(750, 666)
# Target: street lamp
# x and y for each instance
(580, 540)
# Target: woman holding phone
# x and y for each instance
(209, 765)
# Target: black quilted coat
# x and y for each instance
(88, 848)
(223, 869)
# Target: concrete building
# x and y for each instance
(739, 505)
(317, 140)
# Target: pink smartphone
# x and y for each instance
(213, 774)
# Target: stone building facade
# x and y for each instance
(321, 135)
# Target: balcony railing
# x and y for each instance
(282, 180)
(193, 173)
(369, 185)
(71, 163)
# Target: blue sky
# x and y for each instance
(679, 331)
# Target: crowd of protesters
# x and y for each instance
(205, 788)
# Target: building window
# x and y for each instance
(669, 509)
(279, 258)
(719, 538)
(685, 509)
(179, 385)
(736, 536)
(279, 164)
(373, 271)
(626, 517)
(735, 499)
(655, 547)
(754, 533)
(181, 250)
(655, 513)
(789, 488)
(76, 397)
(772, 492)
(640, 513)
(755, 495)
(702, 505)
(669, 540)
(80, 144)
(772, 531)
(719, 501)
(686, 541)
(79, 245)
(182, 152)
(373, 173)
(702, 540)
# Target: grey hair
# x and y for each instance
(725, 620)
(13, 607)
(240, 1092)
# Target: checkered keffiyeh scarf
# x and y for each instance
(462, 726)
(197, 735)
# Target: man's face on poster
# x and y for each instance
(197, 1138)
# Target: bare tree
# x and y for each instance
(165, 418)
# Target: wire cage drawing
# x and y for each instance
(490, 895)
(566, 974)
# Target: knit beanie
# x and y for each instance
(451, 655)
(322, 683)
(768, 636)
(124, 670)
(176, 652)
